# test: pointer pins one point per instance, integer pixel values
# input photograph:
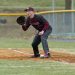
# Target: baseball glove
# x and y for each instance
(21, 20)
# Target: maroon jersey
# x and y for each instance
(38, 22)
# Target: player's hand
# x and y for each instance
(41, 32)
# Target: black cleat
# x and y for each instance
(35, 56)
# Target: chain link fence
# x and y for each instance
(62, 23)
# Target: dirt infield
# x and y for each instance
(24, 54)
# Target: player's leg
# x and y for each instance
(44, 38)
(35, 44)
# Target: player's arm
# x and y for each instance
(26, 25)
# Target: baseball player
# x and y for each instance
(44, 29)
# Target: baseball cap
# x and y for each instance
(29, 9)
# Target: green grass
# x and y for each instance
(26, 43)
(63, 44)
(6, 4)
(14, 43)
(42, 67)
(29, 2)
(39, 4)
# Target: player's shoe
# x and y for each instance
(35, 56)
(45, 56)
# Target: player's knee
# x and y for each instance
(43, 39)
(34, 45)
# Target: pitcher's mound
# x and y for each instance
(24, 54)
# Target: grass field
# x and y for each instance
(30, 2)
(26, 43)
(21, 4)
(29, 67)
(32, 67)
